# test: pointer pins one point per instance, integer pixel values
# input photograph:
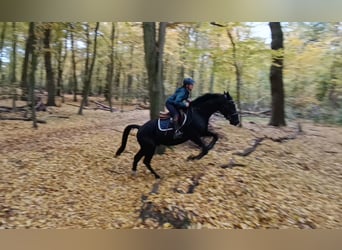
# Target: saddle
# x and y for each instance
(163, 115)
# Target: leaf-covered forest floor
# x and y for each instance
(65, 175)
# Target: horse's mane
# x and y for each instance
(204, 98)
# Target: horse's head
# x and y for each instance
(228, 109)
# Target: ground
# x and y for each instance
(64, 175)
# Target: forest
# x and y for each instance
(209, 53)
(68, 89)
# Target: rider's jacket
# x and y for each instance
(178, 97)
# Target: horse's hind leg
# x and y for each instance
(147, 161)
(137, 158)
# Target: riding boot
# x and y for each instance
(177, 126)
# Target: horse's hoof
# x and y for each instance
(134, 173)
(191, 158)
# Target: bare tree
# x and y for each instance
(110, 69)
(276, 76)
(13, 77)
(2, 39)
(34, 62)
(50, 75)
(238, 73)
(62, 49)
(73, 59)
(89, 71)
(24, 72)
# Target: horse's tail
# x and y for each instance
(125, 137)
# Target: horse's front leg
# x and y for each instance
(204, 148)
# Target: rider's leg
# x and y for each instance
(174, 114)
(176, 119)
(176, 124)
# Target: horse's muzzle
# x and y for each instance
(234, 120)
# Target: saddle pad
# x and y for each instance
(166, 124)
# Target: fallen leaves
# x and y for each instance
(64, 175)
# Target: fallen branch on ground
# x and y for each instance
(72, 104)
(10, 109)
(142, 106)
(232, 164)
(59, 116)
(104, 107)
(258, 141)
(21, 119)
(249, 150)
(261, 113)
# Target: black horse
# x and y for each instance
(196, 126)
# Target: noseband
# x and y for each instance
(230, 116)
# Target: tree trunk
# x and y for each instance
(73, 59)
(154, 64)
(50, 78)
(276, 76)
(110, 70)
(61, 57)
(87, 83)
(2, 40)
(23, 83)
(130, 67)
(117, 78)
(13, 77)
(32, 73)
(86, 70)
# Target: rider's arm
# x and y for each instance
(181, 95)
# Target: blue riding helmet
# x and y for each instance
(188, 80)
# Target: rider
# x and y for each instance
(179, 100)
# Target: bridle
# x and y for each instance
(230, 116)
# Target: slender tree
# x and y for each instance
(110, 69)
(2, 40)
(24, 72)
(73, 59)
(13, 75)
(130, 68)
(276, 76)
(86, 67)
(87, 83)
(50, 75)
(238, 72)
(237, 66)
(33, 57)
(62, 49)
